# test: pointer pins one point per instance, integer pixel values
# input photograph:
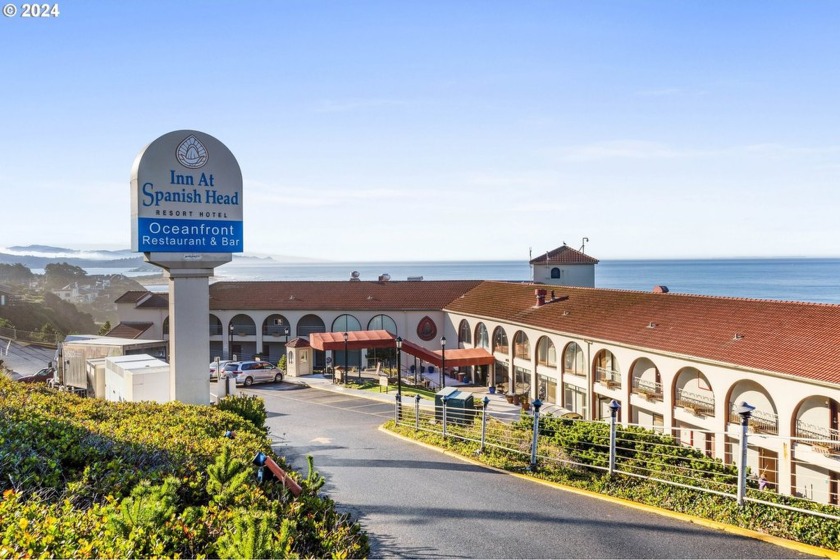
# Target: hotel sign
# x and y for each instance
(186, 196)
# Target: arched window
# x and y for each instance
(482, 338)
(383, 323)
(276, 325)
(573, 360)
(464, 335)
(521, 345)
(166, 327)
(500, 340)
(555, 272)
(546, 354)
(215, 325)
(344, 323)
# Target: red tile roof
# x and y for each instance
(564, 255)
(799, 339)
(356, 340)
(339, 295)
(128, 329)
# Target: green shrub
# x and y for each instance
(93, 479)
(249, 407)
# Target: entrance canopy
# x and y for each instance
(359, 340)
(459, 357)
(356, 340)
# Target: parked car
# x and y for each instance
(248, 373)
(44, 375)
(214, 375)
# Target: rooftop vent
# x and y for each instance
(384, 277)
(354, 276)
(738, 336)
(652, 325)
(415, 278)
(660, 289)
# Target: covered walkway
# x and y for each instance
(360, 340)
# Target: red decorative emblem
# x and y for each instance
(426, 329)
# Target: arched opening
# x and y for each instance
(693, 392)
(388, 356)
(482, 337)
(464, 333)
(547, 374)
(500, 341)
(555, 272)
(816, 432)
(606, 369)
(521, 346)
(242, 344)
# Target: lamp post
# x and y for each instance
(442, 361)
(345, 359)
(230, 342)
(745, 412)
(399, 378)
(614, 407)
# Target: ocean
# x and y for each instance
(811, 280)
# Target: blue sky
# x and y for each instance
(423, 130)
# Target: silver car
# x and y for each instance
(248, 373)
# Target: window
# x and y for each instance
(521, 345)
(482, 338)
(573, 361)
(464, 335)
(383, 323)
(547, 389)
(546, 354)
(556, 272)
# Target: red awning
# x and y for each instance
(356, 340)
(459, 357)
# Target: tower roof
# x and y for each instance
(564, 255)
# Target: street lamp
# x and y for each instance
(399, 377)
(230, 342)
(442, 361)
(345, 359)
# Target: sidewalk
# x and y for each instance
(497, 404)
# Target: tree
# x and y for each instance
(59, 275)
(105, 329)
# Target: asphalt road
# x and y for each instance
(24, 359)
(418, 503)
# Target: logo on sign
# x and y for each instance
(191, 153)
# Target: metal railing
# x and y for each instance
(650, 389)
(818, 436)
(614, 448)
(761, 422)
(608, 376)
(698, 404)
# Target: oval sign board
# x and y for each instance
(186, 196)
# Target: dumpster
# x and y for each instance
(460, 407)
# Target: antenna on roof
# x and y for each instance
(583, 244)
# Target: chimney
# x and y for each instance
(540, 295)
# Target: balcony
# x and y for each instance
(699, 405)
(761, 422)
(609, 377)
(822, 439)
(275, 330)
(651, 390)
(244, 330)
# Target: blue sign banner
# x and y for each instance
(199, 236)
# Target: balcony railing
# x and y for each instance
(272, 330)
(244, 330)
(650, 389)
(609, 377)
(818, 436)
(698, 404)
(215, 330)
(761, 422)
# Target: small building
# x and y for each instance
(564, 266)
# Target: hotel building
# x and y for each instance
(675, 363)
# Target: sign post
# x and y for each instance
(186, 217)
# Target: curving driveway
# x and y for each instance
(419, 503)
